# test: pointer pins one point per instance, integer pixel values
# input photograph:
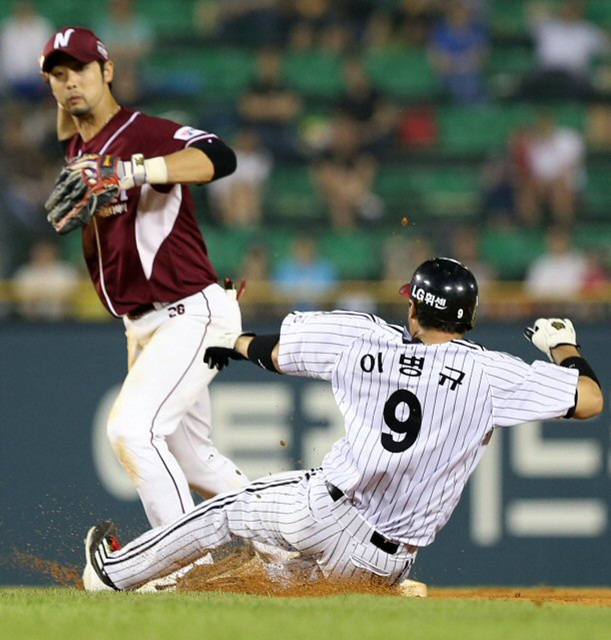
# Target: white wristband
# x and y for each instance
(156, 170)
(138, 171)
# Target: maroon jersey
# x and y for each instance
(146, 247)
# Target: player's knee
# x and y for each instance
(124, 435)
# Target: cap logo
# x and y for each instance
(62, 39)
(430, 299)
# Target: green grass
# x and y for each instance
(67, 614)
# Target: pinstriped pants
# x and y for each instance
(292, 511)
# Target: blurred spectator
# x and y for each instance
(28, 167)
(45, 285)
(255, 265)
(129, 37)
(560, 272)
(418, 126)
(238, 200)
(376, 116)
(270, 107)
(319, 24)
(465, 247)
(551, 171)
(304, 275)
(458, 48)
(405, 22)
(498, 190)
(566, 45)
(344, 176)
(23, 36)
(596, 278)
(253, 22)
(401, 255)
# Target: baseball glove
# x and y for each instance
(84, 186)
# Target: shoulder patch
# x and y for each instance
(187, 133)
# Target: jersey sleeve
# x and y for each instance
(311, 342)
(163, 137)
(521, 392)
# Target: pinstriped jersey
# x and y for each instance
(146, 247)
(417, 416)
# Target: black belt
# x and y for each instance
(140, 311)
(377, 539)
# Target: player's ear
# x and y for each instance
(108, 71)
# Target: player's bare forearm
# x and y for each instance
(189, 166)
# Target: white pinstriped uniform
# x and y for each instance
(417, 418)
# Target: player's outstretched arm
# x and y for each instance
(195, 165)
(557, 338)
(261, 350)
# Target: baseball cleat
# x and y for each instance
(412, 589)
(100, 542)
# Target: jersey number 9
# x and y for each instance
(409, 428)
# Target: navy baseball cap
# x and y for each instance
(77, 42)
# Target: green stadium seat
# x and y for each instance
(402, 73)
(599, 12)
(414, 192)
(508, 18)
(597, 196)
(511, 251)
(355, 254)
(485, 128)
(291, 196)
(221, 72)
(593, 236)
(227, 248)
(314, 73)
(515, 61)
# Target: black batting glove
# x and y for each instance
(219, 357)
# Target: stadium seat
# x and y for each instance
(597, 197)
(291, 197)
(221, 72)
(511, 251)
(593, 236)
(355, 254)
(314, 73)
(402, 73)
(508, 18)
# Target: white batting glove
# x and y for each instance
(548, 333)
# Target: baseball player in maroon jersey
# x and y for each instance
(419, 404)
(149, 264)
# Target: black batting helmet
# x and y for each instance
(444, 292)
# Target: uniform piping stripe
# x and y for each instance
(198, 138)
(152, 428)
(101, 270)
(97, 235)
(118, 132)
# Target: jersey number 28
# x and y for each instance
(409, 428)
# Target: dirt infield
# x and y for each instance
(600, 597)
(249, 578)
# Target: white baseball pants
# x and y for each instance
(160, 424)
(292, 511)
